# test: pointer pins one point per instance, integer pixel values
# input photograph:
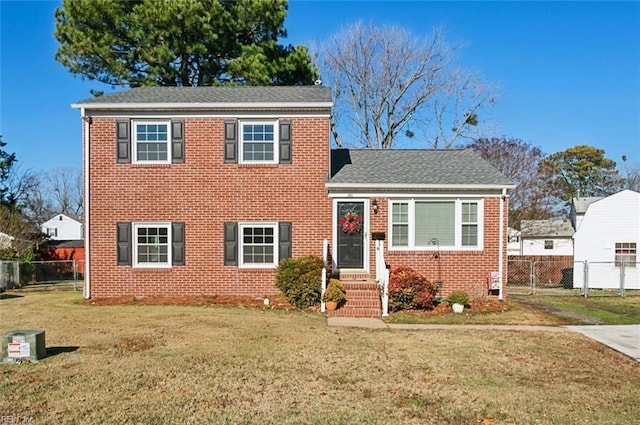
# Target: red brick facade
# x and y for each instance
(204, 193)
(457, 270)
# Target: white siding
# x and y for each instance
(608, 221)
(63, 228)
(536, 246)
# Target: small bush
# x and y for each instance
(458, 297)
(300, 280)
(409, 289)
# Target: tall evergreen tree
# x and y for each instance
(180, 42)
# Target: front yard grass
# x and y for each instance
(546, 310)
(594, 309)
(170, 364)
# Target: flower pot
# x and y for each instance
(457, 308)
(331, 305)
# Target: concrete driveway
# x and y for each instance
(622, 338)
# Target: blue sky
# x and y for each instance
(569, 72)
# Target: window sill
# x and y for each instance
(249, 165)
(143, 165)
(152, 269)
(477, 250)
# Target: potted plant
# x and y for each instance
(334, 294)
(458, 300)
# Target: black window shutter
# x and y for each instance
(123, 141)
(231, 244)
(285, 142)
(231, 141)
(124, 244)
(177, 244)
(177, 142)
(284, 240)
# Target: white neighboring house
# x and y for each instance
(513, 245)
(6, 241)
(63, 228)
(607, 236)
(546, 237)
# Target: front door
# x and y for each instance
(350, 227)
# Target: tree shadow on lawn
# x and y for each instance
(9, 296)
(54, 351)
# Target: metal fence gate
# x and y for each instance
(565, 277)
(34, 274)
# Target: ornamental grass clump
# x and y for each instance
(410, 290)
(300, 280)
(458, 297)
(335, 292)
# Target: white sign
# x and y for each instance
(19, 349)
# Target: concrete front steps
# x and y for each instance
(363, 297)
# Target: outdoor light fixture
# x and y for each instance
(375, 206)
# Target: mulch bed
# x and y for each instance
(476, 307)
(275, 301)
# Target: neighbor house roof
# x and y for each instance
(413, 169)
(559, 228)
(580, 205)
(216, 96)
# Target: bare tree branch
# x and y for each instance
(386, 78)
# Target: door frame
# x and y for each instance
(365, 232)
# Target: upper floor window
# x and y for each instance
(151, 142)
(429, 224)
(626, 254)
(548, 244)
(258, 142)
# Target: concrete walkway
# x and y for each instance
(622, 338)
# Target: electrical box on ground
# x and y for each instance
(23, 345)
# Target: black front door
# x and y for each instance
(350, 228)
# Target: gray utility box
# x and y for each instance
(23, 345)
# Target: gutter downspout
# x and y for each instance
(86, 126)
(501, 243)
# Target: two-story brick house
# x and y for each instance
(202, 190)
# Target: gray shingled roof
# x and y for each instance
(580, 205)
(216, 94)
(560, 228)
(398, 167)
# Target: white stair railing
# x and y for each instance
(382, 277)
(325, 258)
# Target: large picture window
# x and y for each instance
(258, 142)
(258, 245)
(151, 142)
(152, 244)
(427, 224)
(626, 254)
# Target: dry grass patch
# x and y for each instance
(222, 365)
(482, 312)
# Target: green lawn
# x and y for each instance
(144, 364)
(609, 310)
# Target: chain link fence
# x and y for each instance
(565, 277)
(41, 274)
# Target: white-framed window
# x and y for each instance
(429, 224)
(151, 142)
(548, 244)
(152, 245)
(258, 245)
(626, 254)
(52, 231)
(259, 142)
